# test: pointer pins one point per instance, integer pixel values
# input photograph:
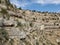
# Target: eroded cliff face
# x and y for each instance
(24, 27)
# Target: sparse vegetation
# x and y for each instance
(11, 41)
(33, 10)
(58, 43)
(43, 20)
(19, 24)
(28, 28)
(3, 36)
(8, 2)
(20, 8)
(4, 11)
(31, 24)
(0, 1)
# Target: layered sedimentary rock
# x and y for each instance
(24, 27)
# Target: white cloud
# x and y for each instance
(58, 11)
(47, 1)
(18, 3)
(56, 1)
(24, 3)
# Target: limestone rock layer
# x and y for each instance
(26, 27)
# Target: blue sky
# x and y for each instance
(38, 5)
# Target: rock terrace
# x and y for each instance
(25, 27)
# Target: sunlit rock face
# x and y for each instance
(3, 4)
(25, 27)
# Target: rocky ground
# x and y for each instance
(26, 27)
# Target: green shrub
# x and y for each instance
(58, 43)
(19, 24)
(42, 19)
(11, 41)
(3, 35)
(39, 11)
(20, 8)
(33, 10)
(0, 1)
(4, 11)
(31, 25)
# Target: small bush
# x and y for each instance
(31, 25)
(33, 10)
(19, 24)
(58, 43)
(3, 35)
(0, 1)
(39, 11)
(4, 11)
(20, 8)
(43, 19)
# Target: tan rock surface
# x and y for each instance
(25, 27)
